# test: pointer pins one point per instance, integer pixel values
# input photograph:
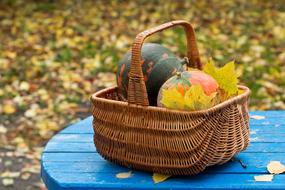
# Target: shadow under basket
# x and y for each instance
(161, 140)
(169, 141)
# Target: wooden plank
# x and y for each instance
(260, 137)
(268, 121)
(71, 157)
(256, 163)
(276, 128)
(94, 157)
(143, 180)
(85, 126)
(89, 147)
(70, 161)
(70, 147)
(266, 129)
(269, 113)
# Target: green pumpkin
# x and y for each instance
(159, 64)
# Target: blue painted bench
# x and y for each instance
(70, 161)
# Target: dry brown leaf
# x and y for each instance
(257, 117)
(265, 178)
(124, 175)
(275, 167)
(157, 177)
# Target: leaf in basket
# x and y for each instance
(275, 167)
(157, 177)
(196, 99)
(171, 98)
(264, 178)
(240, 91)
(124, 175)
(226, 77)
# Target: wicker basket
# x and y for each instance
(156, 139)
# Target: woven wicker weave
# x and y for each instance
(156, 139)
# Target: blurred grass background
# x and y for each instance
(55, 54)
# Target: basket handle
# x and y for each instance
(137, 93)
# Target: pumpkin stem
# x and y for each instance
(178, 74)
(186, 60)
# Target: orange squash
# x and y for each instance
(183, 81)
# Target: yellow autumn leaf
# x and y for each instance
(210, 68)
(240, 91)
(46, 126)
(157, 177)
(264, 178)
(196, 99)
(10, 54)
(9, 109)
(226, 76)
(124, 175)
(275, 167)
(171, 98)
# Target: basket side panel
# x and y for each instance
(167, 142)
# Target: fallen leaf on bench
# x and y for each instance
(265, 178)
(124, 175)
(157, 177)
(257, 117)
(275, 167)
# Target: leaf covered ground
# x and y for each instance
(55, 54)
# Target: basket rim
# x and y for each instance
(236, 99)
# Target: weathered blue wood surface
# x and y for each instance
(70, 161)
